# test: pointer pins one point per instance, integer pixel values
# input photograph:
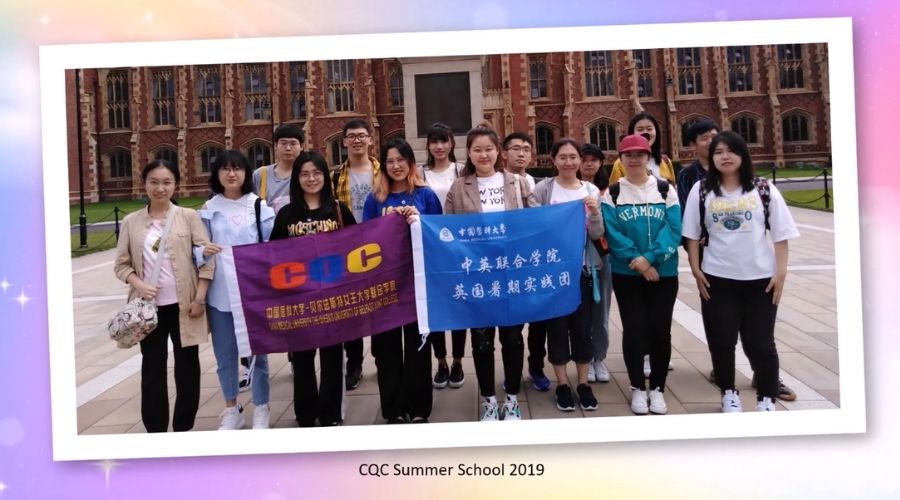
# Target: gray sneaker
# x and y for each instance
(489, 411)
(511, 411)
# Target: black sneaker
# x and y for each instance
(586, 397)
(353, 378)
(564, 399)
(457, 377)
(441, 378)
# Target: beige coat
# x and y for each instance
(187, 231)
(463, 197)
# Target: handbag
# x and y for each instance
(138, 317)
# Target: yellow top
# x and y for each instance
(666, 171)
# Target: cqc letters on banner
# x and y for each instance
(498, 269)
(321, 289)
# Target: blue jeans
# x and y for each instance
(225, 348)
(600, 312)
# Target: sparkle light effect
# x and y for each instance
(107, 467)
(4, 285)
(22, 299)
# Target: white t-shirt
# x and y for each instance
(491, 191)
(165, 287)
(440, 182)
(739, 247)
(562, 195)
(360, 184)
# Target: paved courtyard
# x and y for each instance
(108, 379)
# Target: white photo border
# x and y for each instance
(69, 445)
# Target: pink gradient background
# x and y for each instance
(827, 466)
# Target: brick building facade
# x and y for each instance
(776, 96)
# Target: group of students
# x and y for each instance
(630, 208)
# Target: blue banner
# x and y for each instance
(498, 269)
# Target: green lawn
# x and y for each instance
(103, 211)
(97, 242)
(809, 198)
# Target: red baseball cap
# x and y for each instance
(634, 143)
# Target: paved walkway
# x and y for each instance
(108, 379)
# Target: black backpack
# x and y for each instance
(661, 185)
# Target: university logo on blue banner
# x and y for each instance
(498, 269)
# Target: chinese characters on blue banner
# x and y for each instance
(497, 269)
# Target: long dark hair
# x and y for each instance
(326, 195)
(554, 150)
(439, 132)
(745, 172)
(479, 131)
(655, 150)
(160, 163)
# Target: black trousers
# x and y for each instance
(569, 336)
(323, 399)
(154, 383)
(439, 343)
(537, 345)
(512, 350)
(742, 308)
(354, 350)
(646, 311)
(404, 372)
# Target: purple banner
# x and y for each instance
(322, 289)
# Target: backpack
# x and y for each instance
(765, 194)
(661, 185)
(262, 181)
(256, 208)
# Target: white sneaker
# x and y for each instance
(658, 402)
(731, 403)
(765, 404)
(646, 365)
(592, 375)
(638, 401)
(511, 410)
(261, 416)
(600, 371)
(489, 411)
(671, 365)
(232, 418)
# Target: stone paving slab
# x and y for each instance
(805, 335)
